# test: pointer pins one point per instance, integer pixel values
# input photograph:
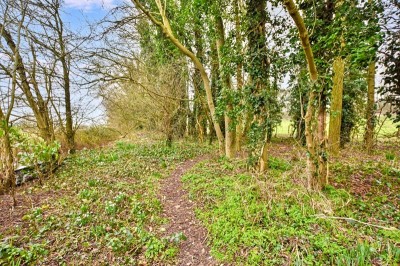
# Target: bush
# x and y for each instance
(37, 157)
(95, 136)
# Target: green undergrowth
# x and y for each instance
(273, 219)
(375, 186)
(102, 208)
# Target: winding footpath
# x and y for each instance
(179, 210)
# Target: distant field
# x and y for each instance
(388, 128)
(284, 129)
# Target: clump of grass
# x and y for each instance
(390, 156)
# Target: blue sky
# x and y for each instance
(78, 12)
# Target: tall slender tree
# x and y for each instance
(165, 26)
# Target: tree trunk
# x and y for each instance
(259, 76)
(312, 162)
(335, 118)
(197, 105)
(201, 112)
(239, 74)
(264, 156)
(69, 131)
(63, 56)
(304, 38)
(315, 180)
(229, 130)
(321, 148)
(7, 158)
(169, 131)
(166, 28)
(369, 131)
(229, 136)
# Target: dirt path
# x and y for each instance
(180, 212)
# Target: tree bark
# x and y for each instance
(335, 117)
(312, 163)
(239, 74)
(264, 156)
(303, 34)
(369, 131)
(321, 148)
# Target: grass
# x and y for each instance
(272, 219)
(388, 128)
(104, 209)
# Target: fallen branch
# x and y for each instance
(322, 216)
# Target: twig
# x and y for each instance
(322, 216)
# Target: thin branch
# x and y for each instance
(322, 216)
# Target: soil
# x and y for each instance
(11, 216)
(179, 210)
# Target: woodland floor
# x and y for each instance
(146, 204)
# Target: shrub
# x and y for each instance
(95, 136)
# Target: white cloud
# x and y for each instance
(90, 4)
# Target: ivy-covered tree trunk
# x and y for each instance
(335, 117)
(239, 74)
(192, 114)
(258, 67)
(198, 115)
(230, 131)
(312, 160)
(314, 167)
(215, 86)
(264, 155)
(369, 130)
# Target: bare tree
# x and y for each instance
(56, 40)
(26, 77)
(6, 154)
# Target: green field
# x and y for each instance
(385, 128)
